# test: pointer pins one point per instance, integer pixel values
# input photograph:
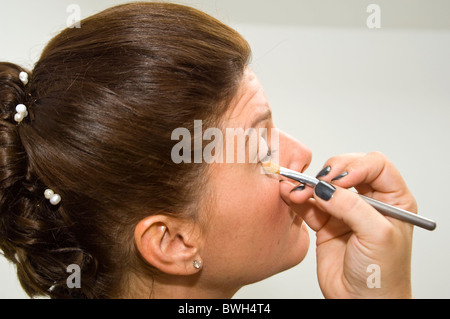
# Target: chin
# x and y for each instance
(304, 238)
(303, 245)
(292, 258)
(297, 254)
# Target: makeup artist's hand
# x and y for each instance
(360, 253)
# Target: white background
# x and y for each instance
(334, 84)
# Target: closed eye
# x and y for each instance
(267, 157)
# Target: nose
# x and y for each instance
(293, 154)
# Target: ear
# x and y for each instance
(170, 244)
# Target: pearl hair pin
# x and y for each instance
(21, 109)
(23, 76)
(52, 197)
(22, 113)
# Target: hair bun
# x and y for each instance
(12, 94)
(15, 203)
(12, 89)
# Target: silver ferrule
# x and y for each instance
(299, 177)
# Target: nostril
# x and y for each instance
(296, 166)
(293, 154)
(304, 168)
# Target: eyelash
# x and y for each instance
(268, 155)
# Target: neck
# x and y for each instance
(175, 287)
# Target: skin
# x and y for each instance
(262, 230)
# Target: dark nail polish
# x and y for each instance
(324, 190)
(324, 171)
(298, 188)
(339, 176)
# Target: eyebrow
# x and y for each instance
(261, 118)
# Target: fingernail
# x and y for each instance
(324, 171)
(298, 188)
(324, 190)
(339, 176)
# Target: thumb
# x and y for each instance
(351, 209)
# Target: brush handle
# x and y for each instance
(383, 208)
(400, 214)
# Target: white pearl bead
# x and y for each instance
(55, 199)
(18, 117)
(48, 193)
(23, 76)
(20, 108)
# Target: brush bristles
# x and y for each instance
(271, 168)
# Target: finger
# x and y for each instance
(372, 169)
(337, 165)
(351, 209)
(293, 194)
(301, 203)
(373, 175)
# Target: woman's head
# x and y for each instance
(103, 101)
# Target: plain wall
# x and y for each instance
(332, 83)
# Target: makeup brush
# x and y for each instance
(383, 208)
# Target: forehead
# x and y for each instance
(249, 102)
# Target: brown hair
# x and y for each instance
(102, 101)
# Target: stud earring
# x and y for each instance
(197, 264)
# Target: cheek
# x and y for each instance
(257, 203)
(250, 233)
(271, 212)
(250, 215)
